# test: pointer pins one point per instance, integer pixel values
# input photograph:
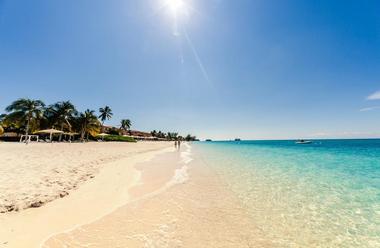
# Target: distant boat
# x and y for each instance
(208, 140)
(303, 142)
(237, 139)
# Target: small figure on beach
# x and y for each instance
(179, 144)
(175, 144)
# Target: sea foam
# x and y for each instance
(181, 175)
(186, 155)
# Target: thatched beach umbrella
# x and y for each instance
(50, 132)
(103, 135)
(71, 135)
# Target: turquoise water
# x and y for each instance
(326, 194)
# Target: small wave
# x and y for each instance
(186, 159)
(180, 176)
(186, 155)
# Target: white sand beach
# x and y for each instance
(55, 187)
(31, 175)
(141, 195)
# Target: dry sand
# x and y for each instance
(40, 172)
(31, 175)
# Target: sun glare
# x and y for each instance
(175, 5)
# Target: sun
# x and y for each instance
(175, 5)
(178, 9)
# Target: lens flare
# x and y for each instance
(181, 10)
(175, 5)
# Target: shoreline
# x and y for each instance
(172, 199)
(91, 200)
(198, 210)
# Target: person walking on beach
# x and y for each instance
(175, 144)
(179, 144)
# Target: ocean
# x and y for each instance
(325, 194)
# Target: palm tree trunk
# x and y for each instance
(27, 130)
(27, 127)
(82, 134)
(60, 135)
(68, 124)
(85, 130)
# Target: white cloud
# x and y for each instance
(369, 108)
(374, 96)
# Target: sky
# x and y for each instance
(219, 69)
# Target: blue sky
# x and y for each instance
(244, 68)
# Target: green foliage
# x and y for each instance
(126, 124)
(172, 136)
(105, 113)
(158, 134)
(190, 138)
(25, 112)
(88, 123)
(60, 114)
(28, 115)
(117, 138)
(114, 131)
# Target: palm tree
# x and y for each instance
(154, 133)
(61, 114)
(172, 136)
(25, 111)
(89, 123)
(125, 124)
(189, 137)
(160, 135)
(105, 114)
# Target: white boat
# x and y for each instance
(303, 142)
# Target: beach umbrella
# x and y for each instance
(50, 132)
(102, 135)
(71, 135)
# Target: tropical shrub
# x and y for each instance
(117, 138)
(114, 131)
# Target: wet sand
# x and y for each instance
(178, 203)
